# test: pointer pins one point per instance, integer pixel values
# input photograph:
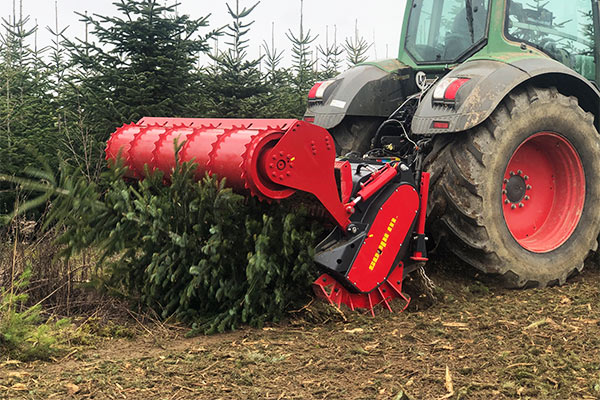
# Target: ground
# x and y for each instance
(480, 342)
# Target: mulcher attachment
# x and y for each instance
(376, 207)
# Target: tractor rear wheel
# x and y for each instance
(354, 134)
(519, 195)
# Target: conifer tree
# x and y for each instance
(137, 63)
(234, 86)
(356, 48)
(303, 66)
(27, 133)
(272, 58)
(331, 53)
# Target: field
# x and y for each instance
(480, 342)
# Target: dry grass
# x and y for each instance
(59, 285)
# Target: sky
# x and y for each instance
(379, 21)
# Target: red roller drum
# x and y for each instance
(120, 142)
(141, 149)
(230, 148)
(163, 156)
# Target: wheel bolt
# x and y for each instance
(526, 177)
(521, 205)
(527, 197)
(528, 187)
(519, 172)
(512, 173)
(504, 191)
(513, 206)
(506, 201)
(506, 181)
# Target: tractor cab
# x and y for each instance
(446, 31)
(452, 31)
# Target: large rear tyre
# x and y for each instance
(519, 196)
(354, 134)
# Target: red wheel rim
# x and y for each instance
(543, 192)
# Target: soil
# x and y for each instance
(480, 342)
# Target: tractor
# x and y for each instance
(507, 91)
(482, 133)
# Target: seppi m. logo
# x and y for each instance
(383, 243)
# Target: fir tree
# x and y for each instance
(331, 54)
(356, 48)
(272, 58)
(27, 133)
(303, 66)
(234, 86)
(142, 64)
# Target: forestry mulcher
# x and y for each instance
(486, 125)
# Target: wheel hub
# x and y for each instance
(515, 188)
(543, 192)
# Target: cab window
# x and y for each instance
(444, 30)
(562, 29)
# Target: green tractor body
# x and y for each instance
(505, 91)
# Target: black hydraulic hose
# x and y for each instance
(385, 123)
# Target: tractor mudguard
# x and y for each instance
(373, 90)
(489, 83)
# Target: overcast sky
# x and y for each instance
(377, 19)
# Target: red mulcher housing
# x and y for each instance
(378, 206)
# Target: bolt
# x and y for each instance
(336, 290)
(398, 282)
(506, 201)
(526, 177)
(271, 165)
(273, 173)
(513, 206)
(324, 279)
(521, 205)
(527, 197)
(288, 173)
(281, 154)
(512, 173)
(520, 172)
(503, 191)
(506, 181)
(280, 177)
(529, 187)
(274, 157)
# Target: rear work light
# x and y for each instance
(446, 90)
(317, 91)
